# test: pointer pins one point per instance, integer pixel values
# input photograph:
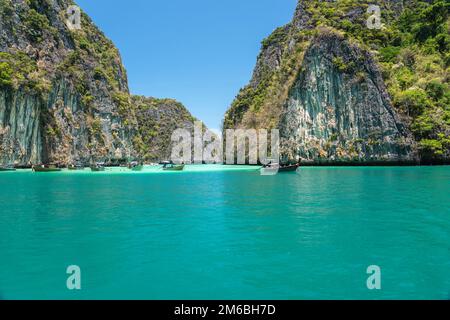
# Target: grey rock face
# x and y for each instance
(20, 128)
(157, 120)
(339, 110)
(77, 117)
(326, 94)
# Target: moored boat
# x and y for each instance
(46, 168)
(170, 166)
(74, 167)
(270, 169)
(8, 167)
(289, 168)
(274, 168)
(98, 167)
(135, 166)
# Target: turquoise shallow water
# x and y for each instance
(210, 233)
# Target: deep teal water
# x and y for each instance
(227, 235)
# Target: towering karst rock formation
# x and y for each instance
(63, 92)
(340, 91)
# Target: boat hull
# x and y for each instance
(289, 168)
(75, 168)
(46, 169)
(175, 168)
(273, 170)
(97, 169)
(7, 169)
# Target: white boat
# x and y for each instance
(270, 169)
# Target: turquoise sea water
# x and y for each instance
(217, 232)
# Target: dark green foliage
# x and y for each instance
(6, 73)
(6, 10)
(414, 101)
(423, 83)
(426, 22)
(389, 53)
(436, 90)
(36, 25)
(278, 36)
(16, 71)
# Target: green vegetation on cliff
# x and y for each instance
(157, 119)
(415, 61)
(82, 107)
(412, 49)
(68, 87)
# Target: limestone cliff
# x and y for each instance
(341, 114)
(343, 93)
(157, 120)
(64, 94)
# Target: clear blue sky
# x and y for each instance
(200, 52)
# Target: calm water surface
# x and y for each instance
(227, 234)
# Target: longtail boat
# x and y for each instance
(289, 168)
(135, 166)
(74, 167)
(98, 167)
(270, 169)
(8, 167)
(274, 168)
(170, 166)
(46, 168)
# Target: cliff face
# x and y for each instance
(340, 92)
(63, 93)
(333, 113)
(157, 120)
(20, 132)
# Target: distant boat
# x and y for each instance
(135, 166)
(274, 168)
(170, 166)
(46, 168)
(98, 167)
(74, 167)
(8, 167)
(289, 168)
(270, 169)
